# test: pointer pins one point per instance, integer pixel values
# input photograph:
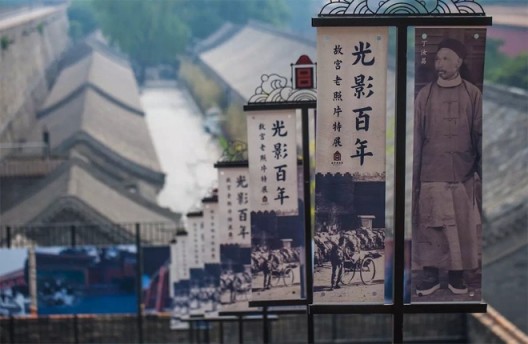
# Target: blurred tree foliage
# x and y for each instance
(204, 17)
(82, 19)
(505, 70)
(149, 31)
(205, 91)
(154, 32)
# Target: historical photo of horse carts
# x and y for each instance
(235, 278)
(349, 241)
(277, 256)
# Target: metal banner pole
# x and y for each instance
(73, 243)
(139, 256)
(399, 182)
(240, 329)
(191, 332)
(8, 236)
(265, 333)
(307, 220)
(221, 330)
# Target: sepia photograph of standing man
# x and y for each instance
(447, 167)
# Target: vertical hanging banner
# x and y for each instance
(350, 169)
(277, 253)
(179, 280)
(211, 230)
(447, 164)
(272, 152)
(198, 296)
(235, 235)
(233, 203)
(194, 227)
(277, 239)
(211, 253)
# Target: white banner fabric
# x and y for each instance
(272, 154)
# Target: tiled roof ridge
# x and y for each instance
(39, 185)
(224, 33)
(67, 166)
(141, 170)
(136, 197)
(255, 24)
(85, 85)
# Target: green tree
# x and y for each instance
(505, 70)
(513, 73)
(82, 19)
(148, 31)
(153, 32)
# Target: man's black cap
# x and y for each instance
(455, 45)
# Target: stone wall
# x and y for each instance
(31, 46)
(373, 328)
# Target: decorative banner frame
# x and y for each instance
(399, 14)
(276, 94)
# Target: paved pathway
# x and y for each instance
(186, 152)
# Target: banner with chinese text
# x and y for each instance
(233, 204)
(235, 236)
(272, 155)
(211, 230)
(195, 227)
(447, 165)
(277, 253)
(350, 165)
(211, 257)
(179, 277)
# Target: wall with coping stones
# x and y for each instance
(28, 66)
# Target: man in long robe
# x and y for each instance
(446, 173)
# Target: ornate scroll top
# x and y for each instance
(275, 88)
(401, 7)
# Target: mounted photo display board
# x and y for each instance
(350, 165)
(86, 280)
(235, 235)
(447, 164)
(277, 216)
(15, 282)
(180, 284)
(155, 279)
(211, 253)
(278, 254)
